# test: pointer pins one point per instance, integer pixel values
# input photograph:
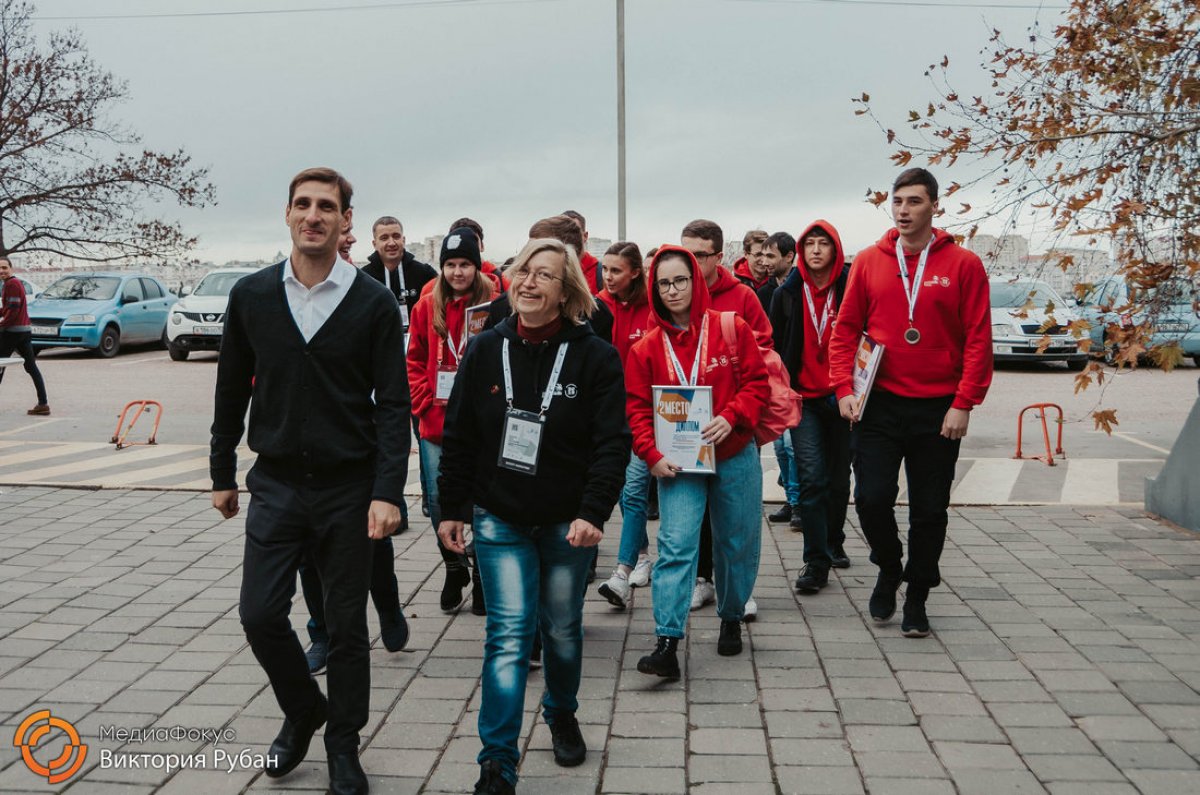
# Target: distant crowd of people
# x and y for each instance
(545, 392)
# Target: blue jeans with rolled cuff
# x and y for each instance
(533, 581)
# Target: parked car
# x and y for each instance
(198, 320)
(31, 289)
(1016, 339)
(101, 311)
(1173, 309)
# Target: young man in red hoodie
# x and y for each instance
(16, 333)
(925, 299)
(750, 269)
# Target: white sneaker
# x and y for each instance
(704, 593)
(640, 576)
(616, 589)
(751, 611)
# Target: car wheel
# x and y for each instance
(177, 354)
(1076, 365)
(110, 343)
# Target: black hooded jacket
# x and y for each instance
(416, 274)
(789, 320)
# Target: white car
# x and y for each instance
(197, 321)
(1016, 339)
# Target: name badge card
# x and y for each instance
(680, 414)
(521, 441)
(445, 383)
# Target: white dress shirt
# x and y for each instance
(311, 308)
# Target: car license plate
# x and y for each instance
(1172, 328)
(208, 330)
(45, 331)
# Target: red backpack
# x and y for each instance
(783, 403)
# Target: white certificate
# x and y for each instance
(680, 414)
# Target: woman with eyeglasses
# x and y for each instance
(535, 438)
(688, 347)
(625, 296)
(437, 343)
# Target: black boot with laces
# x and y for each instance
(663, 661)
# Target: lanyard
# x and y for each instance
(397, 275)
(911, 291)
(548, 395)
(812, 312)
(701, 353)
(456, 348)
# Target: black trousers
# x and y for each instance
(285, 524)
(385, 592)
(898, 429)
(22, 343)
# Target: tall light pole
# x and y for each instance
(621, 120)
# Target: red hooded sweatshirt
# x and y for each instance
(425, 346)
(741, 271)
(591, 273)
(729, 295)
(739, 399)
(631, 321)
(814, 371)
(953, 315)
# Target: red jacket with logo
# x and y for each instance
(738, 398)
(631, 321)
(727, 294)
(813, 375)
(953, 315)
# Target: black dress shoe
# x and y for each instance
(730, 641)
(784, 514)
(838, 557)
(883, 598)
(569, 747)
(812, 578)
(346, 776)
(291, 744)
(393, 630)
(663, 661)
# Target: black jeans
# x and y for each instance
(821, 444)
(285, 524)
(385, 592)
(896, 429)
(22, 343)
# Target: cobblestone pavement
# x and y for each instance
(1065, 660)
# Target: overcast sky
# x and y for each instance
(504, 110)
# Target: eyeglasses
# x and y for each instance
(541, 278)
(679, 284)
(704, 256)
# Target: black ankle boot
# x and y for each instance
(663, 661)
(458, 577)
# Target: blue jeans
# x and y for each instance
(734, 500)
(822, 446)
(633, 512)
(533, 580)
(786, 457)
(431, 456)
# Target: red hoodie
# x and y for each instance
(14, 311)
(739, 399)
(729, 295)
(592, 273)
(424, 347)
(814, 379)
(631, 321)
(954, 354)
(741, 270)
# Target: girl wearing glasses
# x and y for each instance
(437, 343)
(687, 347)
(536, 439)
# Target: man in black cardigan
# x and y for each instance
(314, 342)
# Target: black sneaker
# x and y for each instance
(812, 578)
(569, 747)
(535, 653)
(784, 514)
(795, 524)
(317, 656)
(663, 661)
(492, 781)
(838, 557)
(458, 577)
(883, 598)
(730, 641)
(916, 622)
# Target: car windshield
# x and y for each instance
(1016, 294)
(1176, 291)
(92, 288)
(217, 284)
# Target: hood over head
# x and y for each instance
(701, 301)
(839, 256)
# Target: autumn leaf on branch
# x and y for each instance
(1104, 420)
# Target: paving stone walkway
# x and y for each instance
(1066, 659)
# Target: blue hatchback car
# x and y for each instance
(101, 311)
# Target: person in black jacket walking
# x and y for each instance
(803, 312)
(535, 437)
(395, 267)
(311, 345)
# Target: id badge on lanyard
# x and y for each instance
(445, 383)
(521, 438)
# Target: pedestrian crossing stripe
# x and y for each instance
(978, 481)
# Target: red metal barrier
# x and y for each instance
(1058, 450)
(142, 406)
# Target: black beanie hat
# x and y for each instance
(461, 242)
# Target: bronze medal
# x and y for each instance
(912, 336)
